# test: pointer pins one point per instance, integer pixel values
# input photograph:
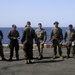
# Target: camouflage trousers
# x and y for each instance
(28, 50)
(40, 49)
(69, 46)
(56, 44)
(14, 45)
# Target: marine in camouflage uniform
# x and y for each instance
(27, 41)
(13, 35)
(70, 36)
(1, 47)
(40, 39)
(56, 38)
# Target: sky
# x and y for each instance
(37, 11)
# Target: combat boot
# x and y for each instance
(54, 57)
(74, 56)
(29, 61)
(39, 57)
(26, 61)
(17, 58)
(61, 57)
(10, 59)
(3, 59)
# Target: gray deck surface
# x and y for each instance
(47, 66)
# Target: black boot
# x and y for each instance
(10, 59)
(41, 56)
(74, 56)
(3, 59)
(17, 58)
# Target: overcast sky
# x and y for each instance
(37, 11)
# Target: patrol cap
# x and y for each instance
(28, 23)
(13, 25)
(39, 24)
(70, 25)
(56, 22)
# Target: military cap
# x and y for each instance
(13, 25)
(56, 22)
(70, 25)
(28, 23)
(39, 24)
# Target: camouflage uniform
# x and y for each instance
(70, 35)
(1, 47)
(40, 37)
(27, 40)
(56, 37)
(13, 35)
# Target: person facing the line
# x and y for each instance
(56, 38)
(27, 40)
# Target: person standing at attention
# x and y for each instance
(40, 39)
(56, 37)
(13, 35)
(70, 39)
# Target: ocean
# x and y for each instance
(20, 29)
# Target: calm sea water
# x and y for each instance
(48, 29)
